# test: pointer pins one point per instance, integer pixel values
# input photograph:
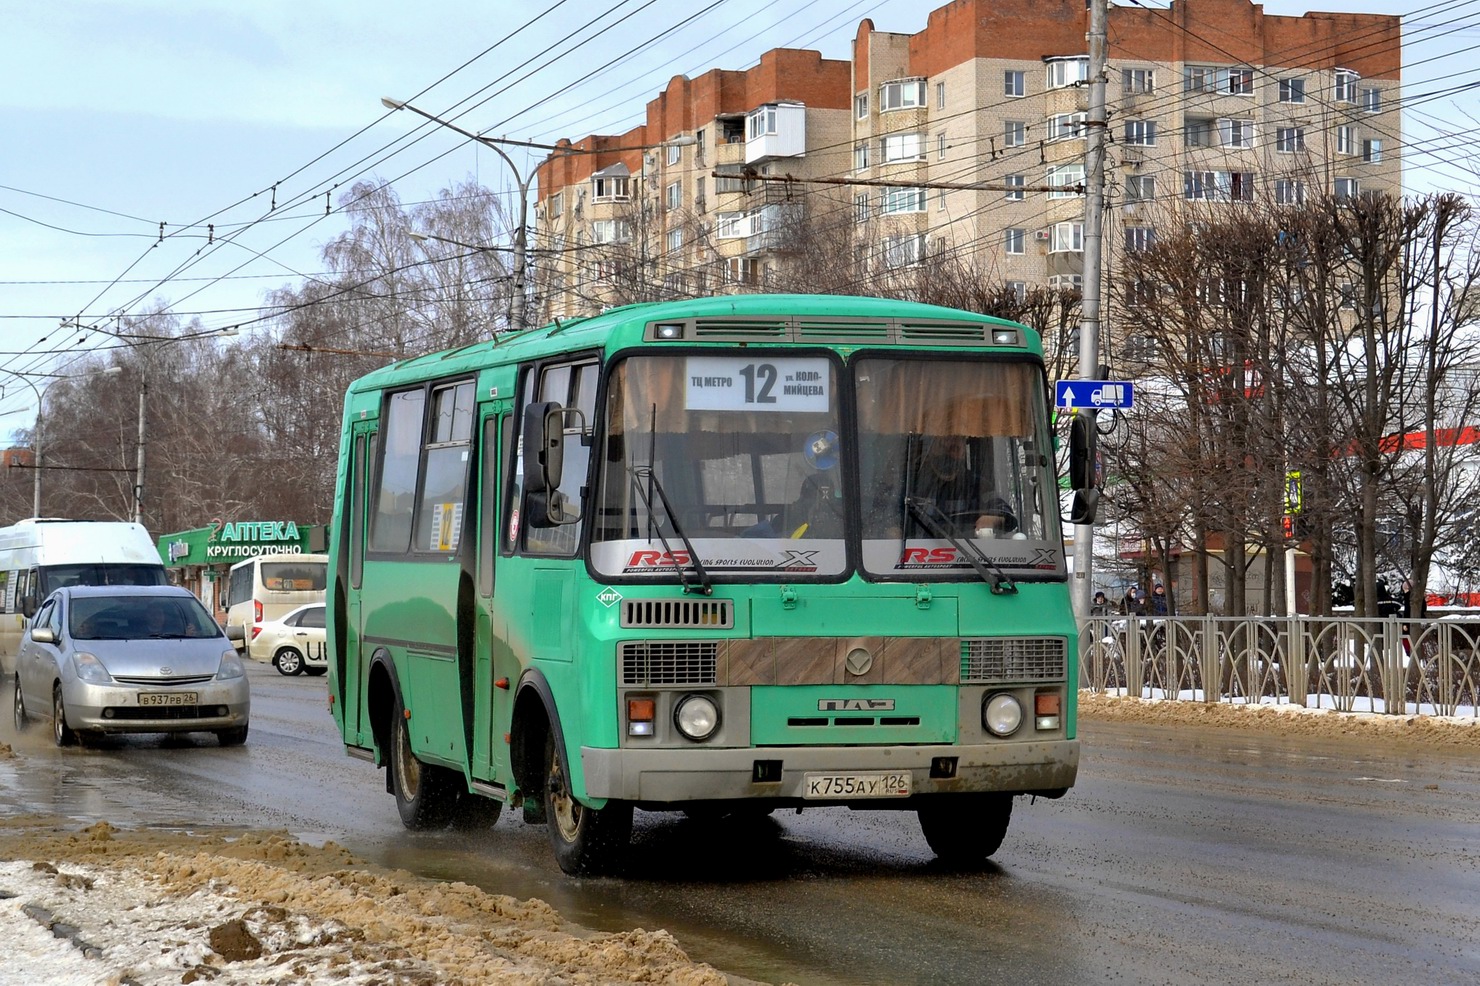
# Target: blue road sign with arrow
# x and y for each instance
(1095, 394)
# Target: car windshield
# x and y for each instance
(139, 617)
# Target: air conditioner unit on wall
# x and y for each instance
(1041, 235)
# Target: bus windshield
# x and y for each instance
(954, 462)
(60, 576)
(738, 453)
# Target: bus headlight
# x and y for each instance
(1002, 714)
(696, 716)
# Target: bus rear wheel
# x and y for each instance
(966, 829)
(425, 793)
(587, 841)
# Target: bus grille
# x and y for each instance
(678, 614)
(669, 662)
(997, 660)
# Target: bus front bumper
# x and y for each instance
(698, 774)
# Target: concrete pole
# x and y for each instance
(139, 466)
(1089, 325)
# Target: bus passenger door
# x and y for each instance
(362, 457)
(494, 704)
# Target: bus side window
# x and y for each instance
(357, 512)
(571, 385)
(488, 499)
(395, 486)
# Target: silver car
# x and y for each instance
(129, 659)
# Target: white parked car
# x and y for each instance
(296, 642)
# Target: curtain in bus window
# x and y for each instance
(933, 397)
(395, 498)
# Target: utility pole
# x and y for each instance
(139, 466)
(1089, 325)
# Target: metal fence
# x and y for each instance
(1425, 667)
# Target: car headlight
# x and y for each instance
(696, 716)
(231, 666)
(1002, 714)
(90, 669)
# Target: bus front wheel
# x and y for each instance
(425, 793)
(587, 841)
(965, 829)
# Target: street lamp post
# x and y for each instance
(40, 393)
(521, 232)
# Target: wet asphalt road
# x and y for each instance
(1182, 856)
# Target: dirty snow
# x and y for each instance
(106, 906)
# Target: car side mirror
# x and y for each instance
(44, 635)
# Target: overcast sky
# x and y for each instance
(122, 114)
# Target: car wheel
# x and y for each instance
(21, 719)
(587, 841)
(60, 731)
(426, 794)
(966, 829)
(288, 661)
(235, 736)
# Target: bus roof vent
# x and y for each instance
(669, 662)
(946, 333)
(842, 330)
(739, 329)
(678, 614)
(1009, 660)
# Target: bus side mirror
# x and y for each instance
(1082, 468)
(28, 605)
(544, 446)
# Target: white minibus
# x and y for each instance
(40, 554)
(267, 587)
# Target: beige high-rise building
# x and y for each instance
(966, 138)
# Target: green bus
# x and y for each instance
(716, 556)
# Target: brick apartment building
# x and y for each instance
(1209, 101)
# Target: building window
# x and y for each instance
(1218, 186)
(1346, 85)
(1066, 282)
(902, 147)
(1236, 133)
(673, 196)
(730, 179)
(761, 122)
(1140, 188)
(1015, 240)
(1200, 78)
(1066, 238)
(1372, 151)
(1292, 90)
(556, 205)
(903, 200)
(901, 95)
(1066, 126)
(1140, 132)
(860, 207)
(1372, 100)
(1014, 83)
(1288, 140)
(1139, 238)
(675, 240)
(940, 201)
(1014, 133)
(1346, 140)
(699, 193)
(675, 153)
(1289, 191)
(1240, 82)
(860, 156)
(860, 105)
(1138, 80)
(610, 231)
(1199, 130)
(1015, 185)
(1347, 188)
(1018, 290)
(612, 188)
(902, 251)
(1064, 72)
(940, 95)
(940, 146)
(742, 270)
(1066, 181)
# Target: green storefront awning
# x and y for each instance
(227, 544)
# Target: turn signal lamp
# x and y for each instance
(1046, 710)
(640, 715)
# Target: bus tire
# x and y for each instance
(966, 829)
(587, 841)
(60, 731)
(288, 661)
(475, 813)
(425, 793)
(22, 721)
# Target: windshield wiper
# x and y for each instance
(640, 473)
(992, 575)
